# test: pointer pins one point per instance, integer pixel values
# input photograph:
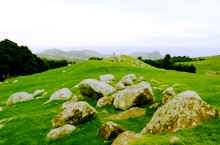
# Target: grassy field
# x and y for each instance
(30, 121)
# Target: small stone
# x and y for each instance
(126, 138)
(104, 101)
(107, 78)
(61, 131)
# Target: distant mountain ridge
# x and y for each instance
(72, 55)
(76, 55)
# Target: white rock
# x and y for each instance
(38, 93)
(108, 78)
(61, 131)
(62, 94)
(19, 97)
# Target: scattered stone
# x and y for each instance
(175, 141)
(38, 93)
(164, 86)
(155, 106)
(126, 138)
(108, 78)
(131, 113)
(61, 131)
(128, 79)
(19, 97)
(140, 79)
(168, 95)
(95, 89)
(185, 110)
(62, 94)
(120, 86)
(157, 88)
(78, 112)
(135, 95)
(156, 82)
(104, 101)
(15, 81)
(110, 130)
(70, 103)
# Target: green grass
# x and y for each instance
(31, 120)
(209, 64)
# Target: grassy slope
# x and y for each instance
(31, 120)
(210, 64)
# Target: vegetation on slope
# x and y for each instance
(31, 120)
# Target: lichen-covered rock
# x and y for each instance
(104, 101)
(38, 93)
(126, 138)
(187, 109)
(110, 130)
(107, 78)
(61, 131)
(167, 95)
(62, 94)
(120, 86)
(19, 97)
(95, 89)
(155, 106)
(70, 103)
(78, 112)
(130, 113)
(135, 95)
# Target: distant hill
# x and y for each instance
(73, 55)
(147, 55)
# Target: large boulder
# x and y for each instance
(60, 131)
(19, 97)
(167, 95)
(187, 109)
(126, 138)
(110, 130)
(130, 113)
(104, 101)
(135, 95)
(78, 112)
(107, 78)
(95, 89)
(62, 94)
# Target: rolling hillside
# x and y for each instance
(29, 122)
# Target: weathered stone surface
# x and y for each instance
(110, 130)
(61, 131)
(62, 94)
(95, 89)
(126, 138)
(168, 95)
(70, 103)
(19, 97)
(128, 79)
(131, 113)
(120, 86)
(78, 112)
(155, 106)
(135, 95)
(187, 109)
(108, 78)
(104, 101)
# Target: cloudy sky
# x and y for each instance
(179, 27)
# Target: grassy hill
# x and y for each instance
(207, 66)
(29, 122)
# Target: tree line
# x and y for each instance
(19, 60)
(171, 63)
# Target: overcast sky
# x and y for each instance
(180, 27)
